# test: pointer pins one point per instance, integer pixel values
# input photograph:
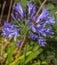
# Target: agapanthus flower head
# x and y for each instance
(9, 31)
(42, 20)
(39, 26)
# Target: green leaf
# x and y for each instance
(50, 6)
(20, 58)
(55, 26)
(34, 54)
(24, 52)
(10, 52)
(1, 38)
(24, 2)
(37, 63)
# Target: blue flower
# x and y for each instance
(33, 36)
(15, 16)
(51, 21)
(9, 31)
(43, 16)
(41, 23)
(38, 26)
(8, 25)
(41, 26)
(19, 43)
(42, 42)
(31, 9)
(18, 8)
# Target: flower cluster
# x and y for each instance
(40, 26)
(9, 31)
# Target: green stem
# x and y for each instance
(24, 54)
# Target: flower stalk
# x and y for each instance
(19, 51)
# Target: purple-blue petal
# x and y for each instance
(43, 16)
(31, 9)
(19, 9)
(42, 42)
(9, 31)
(19, 43)
(33, 36)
